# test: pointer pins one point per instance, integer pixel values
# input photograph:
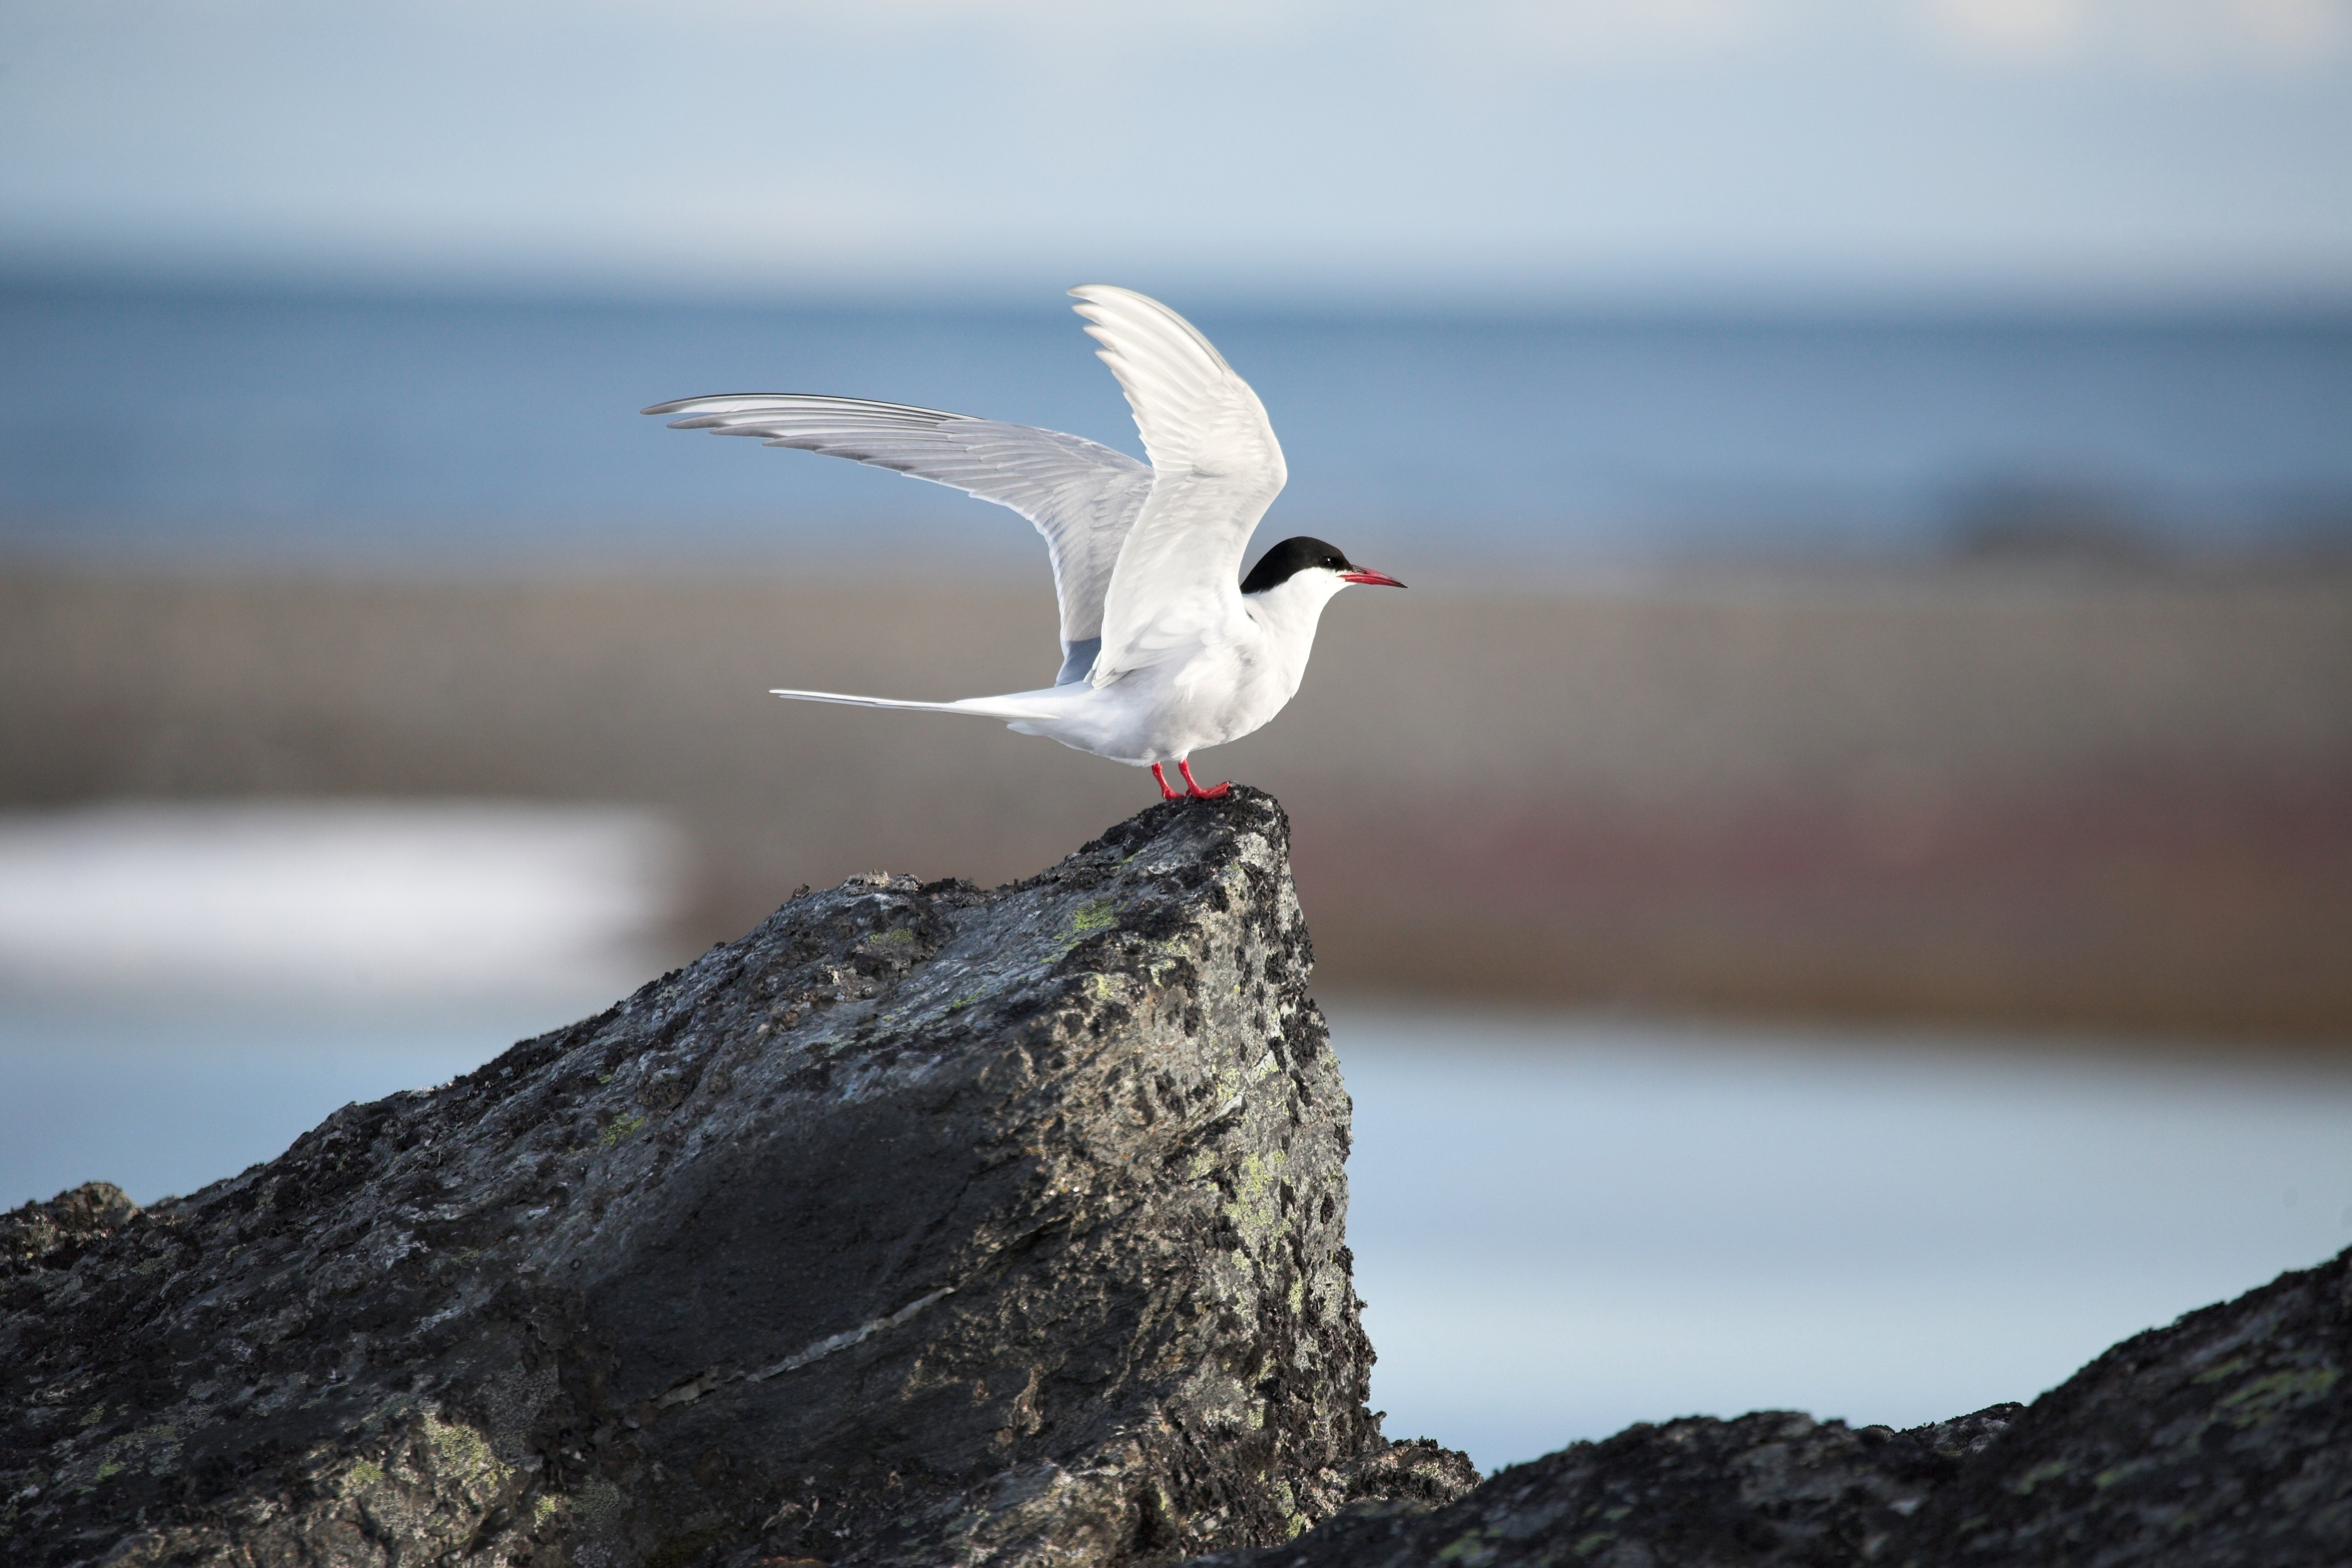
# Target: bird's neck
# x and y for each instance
(1286, 614)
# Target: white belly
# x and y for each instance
(1238, 674)
(1164, 712)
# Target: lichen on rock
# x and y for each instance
(924, 1225)
(934, 1225)
(2224, 1440)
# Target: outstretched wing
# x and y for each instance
(1081, 495)
(1216, 467)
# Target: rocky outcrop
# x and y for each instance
(2223, 1441)
(924, 1225)
(1772, 1488)
(928, 1225)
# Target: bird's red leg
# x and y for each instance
(1161, 779)
(1192, 785)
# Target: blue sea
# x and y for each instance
(186, 423)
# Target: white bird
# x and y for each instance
(1166, 647)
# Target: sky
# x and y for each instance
(1292, 151)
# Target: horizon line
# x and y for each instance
(1690, 298)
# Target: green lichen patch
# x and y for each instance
(2049, 1470)
(2265, 1398)
(622, 1127)
(150, 1448)
(2116, 1475)
(1255, 1208)
(599, 1499)
(458, 1450)
(1471, 1549)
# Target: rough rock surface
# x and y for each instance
(929, 1224)
(924, 1225)
(2223, 1441)
(1770, 1488)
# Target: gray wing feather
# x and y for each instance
(1081, 495)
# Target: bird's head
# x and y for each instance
(1311, 562)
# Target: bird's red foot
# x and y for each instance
(1192, 789)
(1161, 780)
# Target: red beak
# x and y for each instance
(1370, 579)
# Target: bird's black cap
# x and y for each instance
(1290, 557)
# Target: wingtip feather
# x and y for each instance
(1150, 327)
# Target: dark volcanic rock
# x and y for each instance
(2223, 1441)
(52, 1234)
(935, 1226)
(924, 1225)
(1772, 1487)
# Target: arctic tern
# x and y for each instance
(1166, 647)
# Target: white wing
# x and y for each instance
(1215, 468)
(1082, 496)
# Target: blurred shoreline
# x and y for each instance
(2096, 800)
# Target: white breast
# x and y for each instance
(1226, 682)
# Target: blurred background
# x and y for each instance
(1834, 887)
